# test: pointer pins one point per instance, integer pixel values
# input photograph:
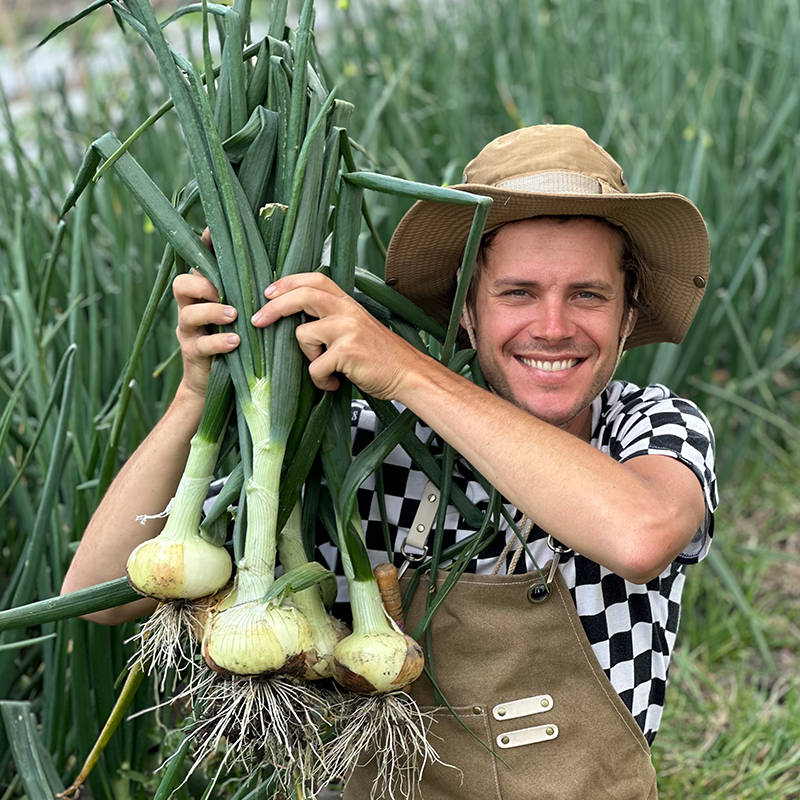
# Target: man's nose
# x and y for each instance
(554, 323)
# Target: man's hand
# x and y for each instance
(199, 307)
(344, 338)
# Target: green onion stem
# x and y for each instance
(257, 567)
(369, 615)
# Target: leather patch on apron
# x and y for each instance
(497, 656)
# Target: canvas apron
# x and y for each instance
(523, 678)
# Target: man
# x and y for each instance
(574, 269)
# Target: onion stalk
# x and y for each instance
(377, 661)
(327, 630)
(377, 657)
(250, 636)
(179, 564)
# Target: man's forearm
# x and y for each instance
(145, 485)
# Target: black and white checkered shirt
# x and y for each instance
(631, 628)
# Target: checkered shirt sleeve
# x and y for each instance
(654, 421)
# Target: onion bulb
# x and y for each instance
(178, 567)
(377, 657)
(327, 634)
(257, 638)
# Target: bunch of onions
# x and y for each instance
(257, 641)
(250, 636)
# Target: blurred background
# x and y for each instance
(697, 98)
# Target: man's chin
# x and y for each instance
(551, 404)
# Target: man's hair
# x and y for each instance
(637, 285)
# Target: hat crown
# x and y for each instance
(547, 158)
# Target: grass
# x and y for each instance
(731, 726)
(698, 98)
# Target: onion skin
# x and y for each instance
(377, 663)
(176, 569)
(205, 607)
(319, 660)
(257, 639)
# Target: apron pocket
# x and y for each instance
(472, 770)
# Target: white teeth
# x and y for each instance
(551, 366)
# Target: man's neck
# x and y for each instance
(580, 425)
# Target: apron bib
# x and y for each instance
(524, 680)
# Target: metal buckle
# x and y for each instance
(410, 558)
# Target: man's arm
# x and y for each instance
(150, 477)
(633, 518)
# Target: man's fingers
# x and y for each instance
(316, 337)
(199, 315)
(205, 238)
(314, 280)
(323, 379)
(323, 371)
(215, 344)
(193, 288)
(314, 302)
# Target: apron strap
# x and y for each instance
(417, 538)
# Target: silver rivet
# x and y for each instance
(477, 710)
(420, 528)
(501, 712)
(505, 740)
(545, 703)
(431, 498)
(699, 281)
(549, 731)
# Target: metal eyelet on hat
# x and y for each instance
(699, 281)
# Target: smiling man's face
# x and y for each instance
(548, 315)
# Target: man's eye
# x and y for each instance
(588, 296)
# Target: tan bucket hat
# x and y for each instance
(557, 170)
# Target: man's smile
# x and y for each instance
(550, 365)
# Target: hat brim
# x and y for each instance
(427, 247)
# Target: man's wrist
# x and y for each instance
(187, 401)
